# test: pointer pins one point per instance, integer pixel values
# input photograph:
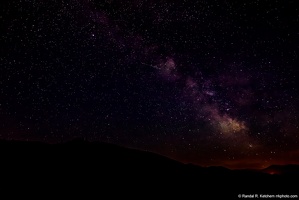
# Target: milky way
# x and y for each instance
(211, 83)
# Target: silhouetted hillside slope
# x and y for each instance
(99, 168)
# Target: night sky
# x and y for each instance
(206, 82)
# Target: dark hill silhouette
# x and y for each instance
(99, 167)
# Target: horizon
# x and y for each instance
(250, 166)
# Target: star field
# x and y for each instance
(206, 82)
